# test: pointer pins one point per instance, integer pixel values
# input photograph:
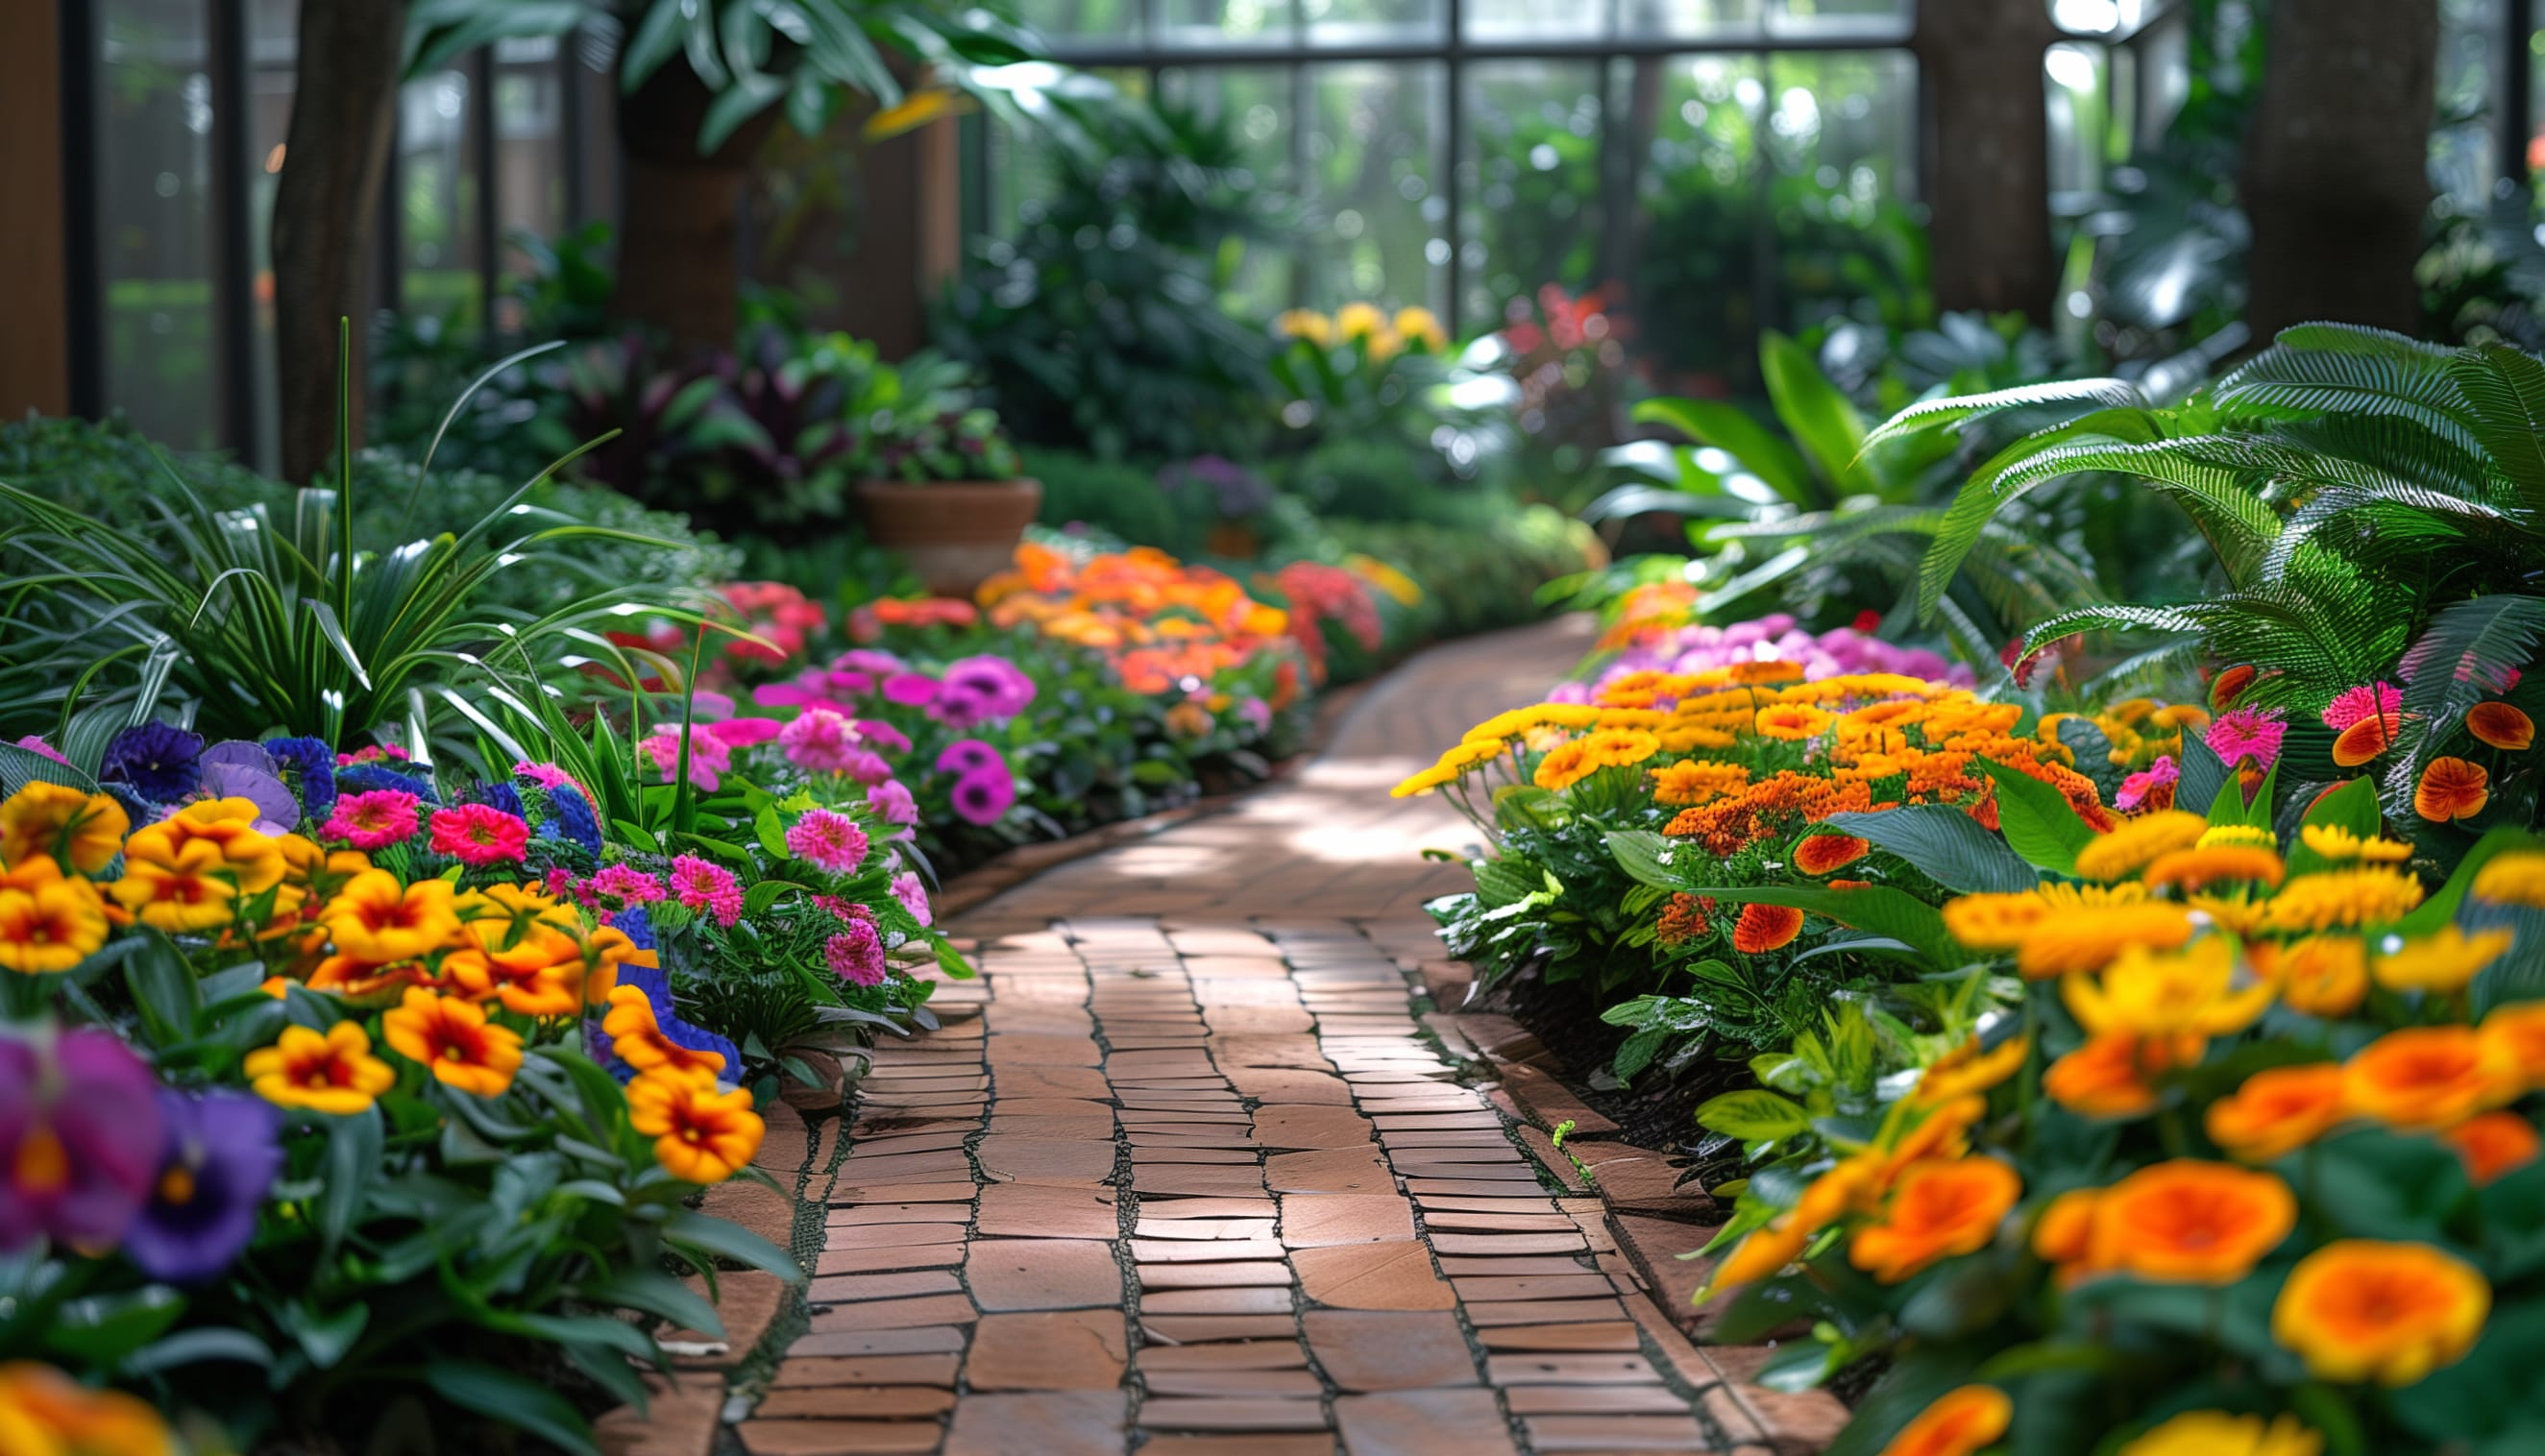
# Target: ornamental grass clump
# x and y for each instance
(2253, 1166)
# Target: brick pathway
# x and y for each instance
(1198, 1181)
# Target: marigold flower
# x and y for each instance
(1792, 721)
(2359, 1309)
(2452, 788)
(49, 921)
(2217, 1433)
(54, 819)
(2189, 1222)
(1682, 919)
(2278, 1110)
(1820, 854)
(2201, 866)
(455, 1039)
(2424, 1077)
(373, 917)
(2139, 842)
(2514, 878)
(2092, 936)
(44, 1413)
(1941, 1209)
(2108, 1076)
(2333, 842)
(1966, 1071)
(2442, 962)
(334, 1073)
(700, 1135)
(2151, 994)
(1697, 781)
(2493, 1144)
(1765, 927)
(1959, 1422)
(2345, 898)
(2498, 725)
(1564, 765)
(2322, 975)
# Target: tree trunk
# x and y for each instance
(2336, 181)
(324, 201)
(680, 268)
(1986, 179)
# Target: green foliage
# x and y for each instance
(1121, 500)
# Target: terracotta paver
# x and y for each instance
(1188, 1171)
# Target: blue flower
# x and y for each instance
(571, 818)
(220, 1160)
(309, 766)
(360, 778)
(501, 795)
(638, 927)
(159, 761)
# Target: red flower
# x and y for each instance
(1765, 927)
(479, 835)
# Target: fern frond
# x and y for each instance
(2469, 652)
(2504, 390)
(1933, 414)
(2415, 514)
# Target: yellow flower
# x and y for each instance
(374, 919)
(1423, 782)
(1358, 321)
(335, 1073)
(1565, 765)
(1423, 326)
(2514, 878)
(2324, 975)
(44, 1413)
(700, 1135)
(48, 922)
(2138, 843)
(2361, 1310)
(1689, 737)
(1305, 323)
(1966, 1071)
(1469, 755)
(254, 860)
(454, 1039)
(2199, 867)
(2088, 939)
(1691, 781)
(178, 890)
(2442, 962)
(2146, 993)
(2237, 913)
(2344, 899)
(2333, 842)
(58, 820)
(2217, 1433)
(1792, 721)
(1618, 748)
(2247, 836)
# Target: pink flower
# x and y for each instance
(866, 768)
(562, 884)
(856, 954)
(983, 795)
(913, 896)
(892, 803)
(33, 745)
(626, 884)
(886, 737)
(910, 689)
(549, 776)
(843, 908)
(2247, 733)
(829, 841)
(479, 835)
(2164, 774)
(744, 732)
(371, 821)
(709, 889)
(371, 755)
(820, 741)
(2351, 704)
(708, 757)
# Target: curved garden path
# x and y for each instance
(1208, 1174)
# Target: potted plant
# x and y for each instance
(940, 479)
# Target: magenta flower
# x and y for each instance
(35, 745)
(80, 1138)
(2164, 774)
(626, 884)
(875, 661)
(709, 889)
(843, 908)
(219, 1162)
(549, 776)
(910, 689)
(2351, 704)
(1001, 687)
(891, 802)
(744, 732)
(886, 737)
(2247, 733)
(856, 954)
(819, 741)
(827, 839)
(479, 835)
(913, 895)
(968, 756)
(708, 757)
(372, 821)
(983, 796)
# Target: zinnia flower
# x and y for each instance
(2498, 725)
(2217, 1433)
(709, 889)
(454, 1039)
(2352, 704)
(84, 830)
(2362, 1310)
(891, 802)
(626, 884)
(2188, 1221)
(2247, 734)
(2443, 960)
(155, 760)
(2493, 1144)
(1941, 1209)
(479, 835)
(983, 797)
(220, 1162)
(2424, 1077)
(334, 1073)
(1960, 1421)
(371, 821)
(79, 1139)
(1764, 927)
(700, 1135)
(827, 839)
(2452, 788)
(856, 954)
(2278, 1110)
(819, 741)
(710, 757)
(913, 897)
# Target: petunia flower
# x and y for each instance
(219, 1162)
(157, 761)
(966, 755)
(984, 796)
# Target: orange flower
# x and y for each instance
(44, 1413)
(2366, 739)
(2452, 788)
(700, 1135)
(1765, 927)
(2199, 867)
(1763, 1254)
(2189, 1222)
(2442, 962)
(1959, 1422)
(2362, 1310)
(2228, 685)
(2493, 1144)
(540, 975)
(2519, 1032)
(1941, 1209)
(2323, 975)
(55, 819)
(637, 1039)
(2500, 726)
(1792, 721)
(2092, 936)
(2278, 1110)
(335, 1073)
(454, 1039)
(1697, 781)
(2065, 1229)
(1992, 920)
(1966, 1071)
(2424, 1077)
(1820, 854)
(376, 919)
(2108, 1076)
(1565, 765)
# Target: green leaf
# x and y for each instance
(164, 987)
(516, 1400)
(770, 834)
(1814, 411)
(1878, 909)
(106, 1329)
(2036, 820)
(1751, 1115)
(1652, 859)
(2204, 776)
(731, 1241)
(1945, 845)
(348, 1170)
(1727, 428)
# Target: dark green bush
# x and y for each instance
(1120, 499)
(1480, 575)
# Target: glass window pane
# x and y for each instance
(1839, 130)
(1370, 22)
(1533, 20)
(1531, 212)
(1111, 20)
(1711, 18)
(438, 199)
(1376, 219)
(529, 154)
(1215, 22)
(273, 49)
(2464, 156)
(155, 239)
(1694, 289)
(1872, 19)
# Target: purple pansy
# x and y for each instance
(80, 1139)
(220, 1162)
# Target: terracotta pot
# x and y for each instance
(957, 533)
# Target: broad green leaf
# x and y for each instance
(1726, 428)
(1657, 861)
(1945, 845)
(1751, 1115)
(1814, 411)
(2036, 819)
(1878, 909)
(514, 1400)
(348, 1170)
